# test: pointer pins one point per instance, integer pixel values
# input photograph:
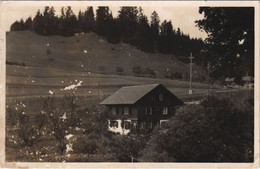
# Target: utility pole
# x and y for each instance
(190, 91)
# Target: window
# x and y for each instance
(119, 110)
(114, 124)
(113, 110)
(134, 124)
(141, 125)
(165, 110)
(162, 122)
(126, 110)
(149, 110)
(127, 125)
(151, 125)
(160, 96)
(153, 98)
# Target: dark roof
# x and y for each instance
(129, 94)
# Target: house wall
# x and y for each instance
(157, 113)
(156, 99)
(133, 111)
(120, 128)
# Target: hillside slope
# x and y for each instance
(88, 53)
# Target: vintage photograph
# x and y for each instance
(129, 83)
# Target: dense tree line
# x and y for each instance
(130, 26)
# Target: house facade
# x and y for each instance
(140, 107)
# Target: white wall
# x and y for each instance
(120, 128)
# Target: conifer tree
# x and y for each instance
(155, 20)
(102, 17)
(127, 20)
(89, 19)
(166, 37)
(143, 34)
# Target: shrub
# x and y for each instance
(61, 117)
(150, 72)
(137, 70)
(218, 130)
(126, 148)
(102, 68)
(15, 63)
(167, 74)
(29, 129)
(48, 51)
(50, 59)
(119, 69)
(176, 75)
(94, 119)
(85, 145)
(12, 116)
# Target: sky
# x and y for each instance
(183, 17)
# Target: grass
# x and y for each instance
(29, 84)
(88, 55)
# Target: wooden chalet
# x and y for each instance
(140, 107)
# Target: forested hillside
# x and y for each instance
(130, 26)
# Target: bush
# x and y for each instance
(61, 118)
(218, 130)
(167, 74)
(12, 116)
(102, 68)
(150, 72)
(137, 70)
(126, 148)
(94, 119)
(29, 129)
(119, 70)
(85, 145)
(15, 63)
(48, 51)
(176, 75)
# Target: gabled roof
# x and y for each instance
(129, 94)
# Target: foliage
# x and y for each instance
(218, 130)
(119, 69)
(103, 16)
(176, 75)
(48, 51)
(94, 119)
(15, 63)
(86, 20)
(61, 118)
(127, 20)
(85, 145)
(150, 71)
(126, 147)
(30, 129)
(155, 20)
(46, 136)
(137, 70)
(12, 116)
(143, 71)
(229, 49)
